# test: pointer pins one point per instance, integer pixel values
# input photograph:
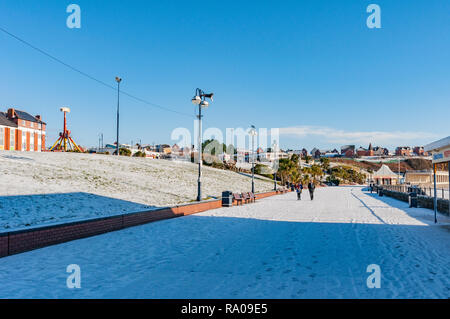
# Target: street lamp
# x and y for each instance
(200, 100)
(118, 80)
(274, 148)
(253, 133)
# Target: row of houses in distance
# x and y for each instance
(21, 131)
(351, 151)
(267, 155)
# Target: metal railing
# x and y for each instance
(427, 191)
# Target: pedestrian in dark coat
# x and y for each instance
(299, 190)
(311, 188)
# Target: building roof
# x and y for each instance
(384, 171)
(438, 144)
(26, 116)
(5, 122)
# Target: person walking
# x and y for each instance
(299, 189)
(311, 188)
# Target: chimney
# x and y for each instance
(38, 118)
(11, 113)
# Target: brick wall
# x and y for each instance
(25, 240)
(264, 195)
(3, 245)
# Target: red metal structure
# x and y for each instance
(65, 141)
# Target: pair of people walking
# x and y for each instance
(299, 190)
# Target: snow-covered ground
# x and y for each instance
(42, 188)
(276, 248)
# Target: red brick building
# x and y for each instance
(365, 152)
(420, 151)
(348, 150)
(21, 131)
(403, 151)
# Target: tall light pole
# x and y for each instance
(200, 100)
(435, 192)
(118, 80)
(275, 168)
(253, 133)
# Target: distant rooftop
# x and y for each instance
(438, 144)
(26, 116)
(5, 122)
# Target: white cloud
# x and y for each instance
(332, 135)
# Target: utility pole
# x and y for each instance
(253, 133)
(435, 193)
(118, 80)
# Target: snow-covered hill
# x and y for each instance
(37, 188)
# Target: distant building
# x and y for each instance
(329, 153)
(348, 150)
(272, 156)
(365, 152)
(403, 151)
(425, 178)
(380, 151)
(21, 131)
(315, 152)
(419, 151)
(304, 152)
(176, 150)
(163, 148)
(385, 176)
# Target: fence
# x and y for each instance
(427, 191)
(424, 201)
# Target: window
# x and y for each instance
(2, 136)
(24, 141)
(12, 139)
(32, 142)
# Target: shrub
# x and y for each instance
(139, 154)
(124, 152)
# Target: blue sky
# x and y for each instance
(311, 68)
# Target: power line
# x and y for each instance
(90, 76)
